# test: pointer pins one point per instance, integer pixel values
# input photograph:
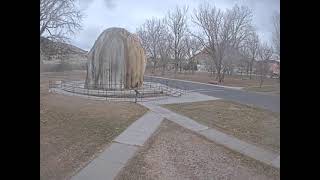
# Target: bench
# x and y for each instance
(213, 82)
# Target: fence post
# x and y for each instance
(106, 94)
(136, 96)
(167, 84)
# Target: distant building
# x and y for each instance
(203, 61)
(201, 67)
(274, 65)
(275, 68)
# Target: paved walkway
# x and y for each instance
(230, 87)
(190, 97)
(109, 163)
(219, 137)
(269, 102)
(139, 131)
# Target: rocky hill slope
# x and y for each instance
(58, 56)
(54, 52)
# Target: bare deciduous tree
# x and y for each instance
(265, 53)
(276, 36)
(244, 64)
(165, 45)
(221, 31)
(232, 57)
(192, 46)
(149, 33)
(251, 46)
(238, 25)
(276, 33)
(177, 23)
(59, 18)
(209, 21)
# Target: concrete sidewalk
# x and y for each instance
(139, 131)
(219, 137)
(108, 164)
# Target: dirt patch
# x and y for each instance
(73, 130)
(254, 125)
(177, 153)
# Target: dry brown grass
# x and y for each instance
(74, 130)
(268, 89)
(174, 152)
(255, 125)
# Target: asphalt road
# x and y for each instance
(270, 102)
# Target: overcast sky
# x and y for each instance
(129, 14)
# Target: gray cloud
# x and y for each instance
(102, 14)
(110, 4)
(88, 37)
(84, 4)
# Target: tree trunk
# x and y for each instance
(154, 67)
(163, 69)
(261, 81)
(251, 64)
(247, 68)
(175, 61)
(192, 70)
(222, 77)
(211, 69)
(261, 74)
(218, 77)
(175, 67)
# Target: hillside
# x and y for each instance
(50, 50)
(50, 47)
(58, 56)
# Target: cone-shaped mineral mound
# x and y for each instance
(116, 60)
